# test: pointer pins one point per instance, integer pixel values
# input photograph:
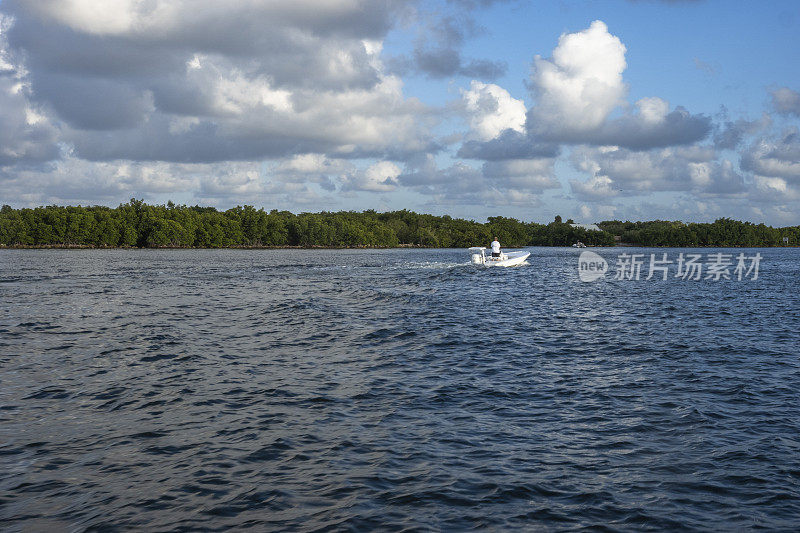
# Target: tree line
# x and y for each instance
(722, 232)
(137, 224)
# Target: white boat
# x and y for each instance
(506, 259)
(579, 244)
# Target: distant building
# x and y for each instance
(587, 227)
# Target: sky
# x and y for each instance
(592, 110)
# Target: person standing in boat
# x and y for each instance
(495, 248)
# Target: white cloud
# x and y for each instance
(166, 18)
(700, 174)
(578, 90)
(26, 134)
(378, 177)
(653, 110)
(775, 157)
(94, 16)
(579, 87)
(179, 80)
(775, 185)
(285, 103)
(230, 182)
(530, 175)
(492, 110)
(620, 171)
(308, 164)
(599, 186)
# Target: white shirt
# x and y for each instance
(495, 247)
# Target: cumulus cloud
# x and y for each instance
(378, 177)
(27, 136)
(492, 110)
(577, 90)
(423, 174)
(597, 187)
(311, 168)
(776, 158)
(198, 81)
(71, 180)
(597, 212)
(509, 144)
(643, 130)
(496, 183)
(497, 127)
(352, 124)
(729, 134)
(617, 171)
(648, 147)
(304, 43)
(528, 175)
(285, 103)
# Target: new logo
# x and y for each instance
(591, 266)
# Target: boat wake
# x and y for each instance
(433, 265)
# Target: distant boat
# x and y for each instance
(506, 259)
(579, 244)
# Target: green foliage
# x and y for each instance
(136, 224)
(722, 232)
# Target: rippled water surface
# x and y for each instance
(393, 389)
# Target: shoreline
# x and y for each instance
(318, 247)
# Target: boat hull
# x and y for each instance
(512, 259)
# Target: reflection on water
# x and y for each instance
(294, 389)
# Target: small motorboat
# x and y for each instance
(506, 259)
(579, 244)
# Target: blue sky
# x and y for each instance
(634, 109)
(751, 46)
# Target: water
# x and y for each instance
(396, 389)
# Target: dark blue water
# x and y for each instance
(400, 389)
